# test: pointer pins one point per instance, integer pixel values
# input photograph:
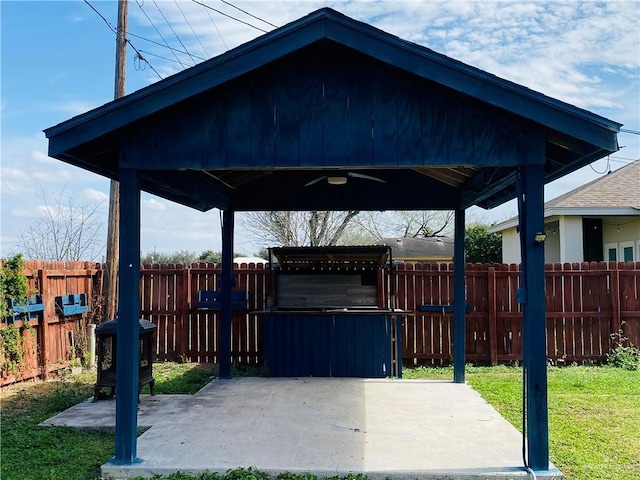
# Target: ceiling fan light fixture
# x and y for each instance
(336, 180)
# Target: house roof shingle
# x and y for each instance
(620, 188)
(617, 193)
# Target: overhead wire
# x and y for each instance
(159, 56)
(607, 169)
(229, 16)
(163, 45)
(247, 13)
(217, 30)
(158, 32)
(174, 32)
(192, 30)
(138, 56)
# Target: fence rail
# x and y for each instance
(52, 341)
(586, 303)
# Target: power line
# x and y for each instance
(217, 30)
(159, 56)
(191, 27)
(633, 132)
(247, 13)
(229, 16)
(174, 32)
(113, 30)
(158, 32)
(163, 46)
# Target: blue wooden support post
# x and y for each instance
(128, 319)
(226, 286)
(532, 298)
(459, 340)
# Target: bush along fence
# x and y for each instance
(590, 308)
(48, 330)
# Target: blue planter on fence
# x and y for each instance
(74, 304)
(29, 308)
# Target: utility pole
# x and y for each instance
(113, 253)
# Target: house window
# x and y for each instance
(626, 251)
(611, 252)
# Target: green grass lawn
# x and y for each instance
(594, 421)
(594, 415)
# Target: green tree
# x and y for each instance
(181, 256)
(209, 256)
(13, 283)
(482, 246)
(263, 253)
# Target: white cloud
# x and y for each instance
(30, 213)
(94, 195)
(153, 204)
(41, 157)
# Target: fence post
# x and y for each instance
(184, 313)
(616, 323)
(493, 327)
(44, 326)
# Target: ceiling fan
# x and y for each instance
(341, 179)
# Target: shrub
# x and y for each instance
(624, 355)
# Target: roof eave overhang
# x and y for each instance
(553, 213)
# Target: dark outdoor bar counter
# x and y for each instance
(329, 317)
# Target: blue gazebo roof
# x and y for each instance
(254, 128)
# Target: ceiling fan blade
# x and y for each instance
(315, 181)
(366, 177)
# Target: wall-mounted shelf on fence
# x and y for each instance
(442, 308)
(75, 304)
(31, 308)
(212, 300)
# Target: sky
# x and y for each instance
(58, 61)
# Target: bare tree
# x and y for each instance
(66, 230)
(314, 228)
(424, 223)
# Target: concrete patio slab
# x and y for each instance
(398, 429)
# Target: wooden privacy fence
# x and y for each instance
(52, 341)
(586, 303)
(169, 297)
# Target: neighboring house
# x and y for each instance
(429, 249)
(597, 221)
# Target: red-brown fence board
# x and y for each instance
(49, 343)
(585, 303)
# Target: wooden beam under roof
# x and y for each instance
(453, 176)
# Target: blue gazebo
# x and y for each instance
(328, 113)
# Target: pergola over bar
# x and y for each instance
(328, 113)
